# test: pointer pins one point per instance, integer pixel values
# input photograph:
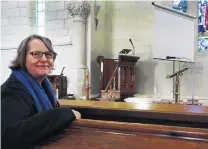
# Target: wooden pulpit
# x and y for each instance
(118, 76)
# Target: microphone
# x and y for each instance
(132, 46)
(178, 72)
(62, 72)
(172, 57)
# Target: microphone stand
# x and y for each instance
(132, 46)
(177, 83)
(174, 81)
(59, 84)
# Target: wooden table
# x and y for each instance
(108, 125)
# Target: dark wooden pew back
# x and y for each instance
(111, 125)
(94, 134)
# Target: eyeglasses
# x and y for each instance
(39, 54)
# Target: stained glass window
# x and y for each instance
(180, 5)
(203, 25)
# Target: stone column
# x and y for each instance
(79, 11)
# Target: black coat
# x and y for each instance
(21, 126)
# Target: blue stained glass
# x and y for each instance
(202, 25)
(180, 5)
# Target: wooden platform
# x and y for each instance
(109, 125)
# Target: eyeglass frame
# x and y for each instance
(53, 56)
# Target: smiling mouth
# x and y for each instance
(43, 66)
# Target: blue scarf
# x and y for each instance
(44, 97)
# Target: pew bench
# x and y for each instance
(96, 130)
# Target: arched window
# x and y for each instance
(40, 16)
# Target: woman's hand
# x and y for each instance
(77, 114)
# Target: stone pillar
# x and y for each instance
(79, 11)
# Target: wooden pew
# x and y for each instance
(165, 114)
(97, 130)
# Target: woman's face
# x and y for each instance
(38, 66)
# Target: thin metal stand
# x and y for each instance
(192, 86)
(177, 89)
(174, 80)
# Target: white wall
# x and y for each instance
(17, 22)
(135, 20)
(118, 21)
(57, 28)
(58, 22)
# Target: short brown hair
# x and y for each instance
(19, 61)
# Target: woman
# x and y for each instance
(29, 109)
